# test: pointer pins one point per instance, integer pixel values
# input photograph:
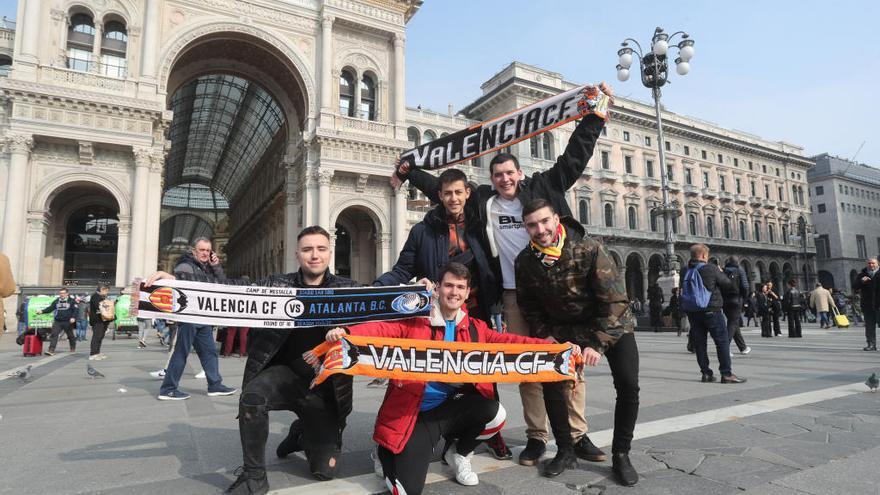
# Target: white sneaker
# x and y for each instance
(200, 374)
(158, 374)
(94, 357)
(746, 350)
(461, 466)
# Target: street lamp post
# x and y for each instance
(654, 73)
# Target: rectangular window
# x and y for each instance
(703, 154)
(739, 188)
(628, 164)
(754, 191)
(668, 146)
(626, 136)
(764, 168)
(649, 168)
(687, 177)
(862, 247)
(687, 150)
(820, 207)
(79, 59)
(722, 183)
(822, 247)
(669, 175)
(777, 171)
(820, 190)
(780, 192)
(750, 166)
(736, 162)
(606, 163)
(767, 191)
(647, 140)
(720, 158)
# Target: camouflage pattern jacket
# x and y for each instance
(581, 298)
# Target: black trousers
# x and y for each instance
(278, 388)
(465, 417)
(99, 328)
(623, 359)
(57, 328)
(734, 322)
(775, 318)
(766, 330)
(871, 326)
(794, 324)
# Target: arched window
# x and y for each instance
(710, 226)
(692, 224)
(801, 196)
(584, 211)
(631, 217)
(757, 232)
(414, 137)
(794, 197)
(5, 65)
(80, 40)
(547, 148)
(726, 228)
(533, 147)
(113, 49)
(771, 234)
(609, 215)
(429, 136)
(346, 94)
(742, 230)
(654, 223)
(674, 225)
(368, 98)
(785, 234)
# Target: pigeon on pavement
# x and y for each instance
(873, 382)
(23, 374)
(93, 373)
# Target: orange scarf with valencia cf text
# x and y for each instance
(441, 361)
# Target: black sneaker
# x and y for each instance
(564, 459)
(499, 448)
(293, 442)
(249, 483)
(586, 450)
(623, 469)
(870, 347)
(533, 452)
(707, 377)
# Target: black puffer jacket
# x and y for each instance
(426, 251)
(187, 263)
(738, 276)
(265, 343)
(715, 282)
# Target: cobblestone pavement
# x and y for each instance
(803, 424)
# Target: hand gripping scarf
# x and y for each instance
(508, 129)
(549, 255)
(276, 307)
(441, 361)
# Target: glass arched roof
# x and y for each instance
(222, 127)
(182, 229)
(194, 196)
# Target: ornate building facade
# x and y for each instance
(846, 211)
(132, 127)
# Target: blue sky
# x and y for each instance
(796, 71)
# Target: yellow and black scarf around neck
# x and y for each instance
(549, 255)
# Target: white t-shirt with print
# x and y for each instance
(510, 235)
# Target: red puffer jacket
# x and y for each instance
(400, 408)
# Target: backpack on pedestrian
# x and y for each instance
(694, 294)
(107, 310)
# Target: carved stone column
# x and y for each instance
(123, 228)
(324, 178)
(30, 29)
(96, 48)
(326, 62)
(150, 41)
(35, 247)
(19, 146)
(399, 41)
(154, 209)
(292, 222)
(383, 251)
(140, 196)
(398, 227)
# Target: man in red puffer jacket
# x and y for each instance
(415, 415)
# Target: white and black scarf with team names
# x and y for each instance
(509, 129)
(276, 307)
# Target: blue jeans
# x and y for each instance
(82, 326)
(824, 319)
(202, 338)
(703, 324)
(22, 326)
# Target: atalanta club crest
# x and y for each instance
(168, 300)
(409, 303)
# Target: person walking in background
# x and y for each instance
(229, 342)
(82, 318)
(733, 304)
(763, 309)
(101, 313)
(868, 283)
(21, 314)
(775, 304)
(823, 302)
(749, 305)
(674, 309)
(655, 306)
(65, 309)
(791, 304)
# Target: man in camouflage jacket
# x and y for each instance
(568, 288)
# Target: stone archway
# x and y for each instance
(776, 276)
(787, 273)
(356, 241)
(655, 267)
(635, 288)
